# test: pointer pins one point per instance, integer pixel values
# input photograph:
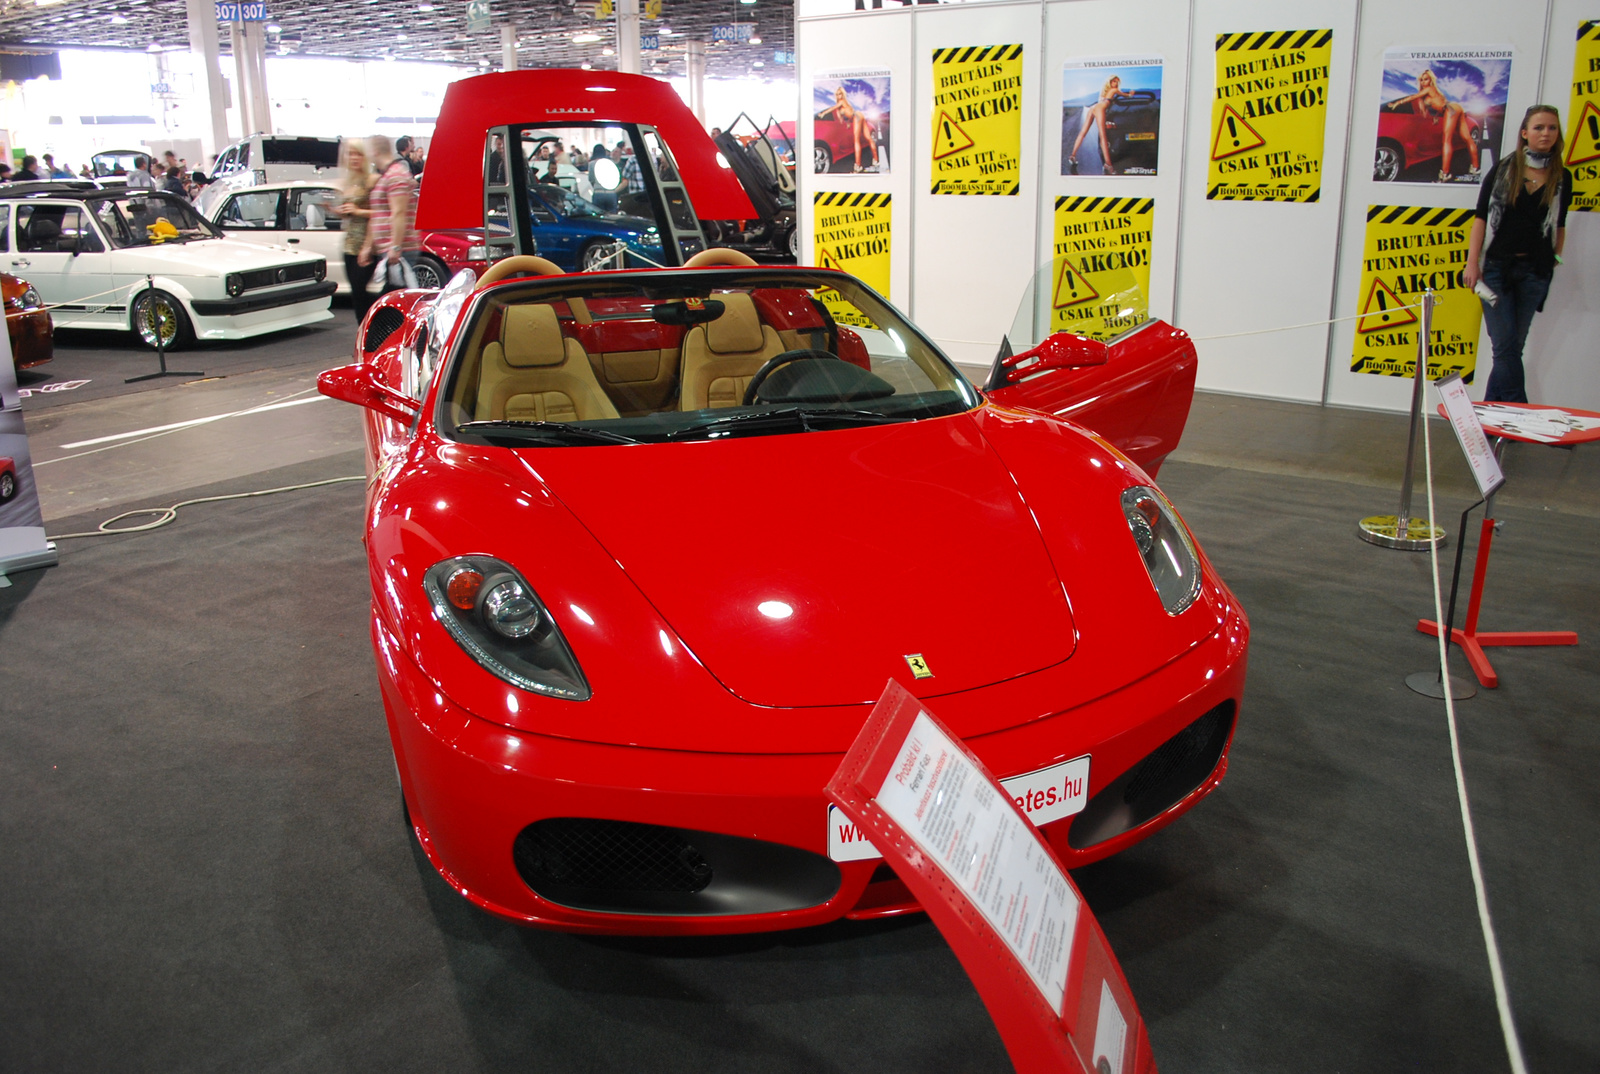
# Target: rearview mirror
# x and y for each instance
(1061, 350)
(359, 384)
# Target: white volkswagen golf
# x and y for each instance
(144, 261)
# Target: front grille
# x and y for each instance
(1164, 778)
(613, 866)
(610, 854)
(384, 322)
(272, 277)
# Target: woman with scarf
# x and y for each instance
(1516, 244)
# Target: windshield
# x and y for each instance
(319, 152)
(139, 218)
(691, 355)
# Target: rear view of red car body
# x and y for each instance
(28, 323)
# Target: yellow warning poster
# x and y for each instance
(1101, 276)
(850, 232)
(1583, 136)
(977, 120)
(1409, 250)
(1268, 116)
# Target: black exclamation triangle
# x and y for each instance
(948, 137)
(1594, 130)
(1383, 304)
(1233, 129)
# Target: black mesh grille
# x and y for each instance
(384, 322)
(271, 277)
(616, 855)
(1176, 753)
(1167, 775)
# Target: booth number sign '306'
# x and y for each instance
(977, 120)
(1268, 116)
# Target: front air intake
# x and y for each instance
(1163, 779)
(384, 322)
(614, 866)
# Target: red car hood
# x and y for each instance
(806, 569)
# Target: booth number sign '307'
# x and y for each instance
(977, 120)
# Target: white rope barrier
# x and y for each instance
(1502, 999)
(77, 301)
(164, 515)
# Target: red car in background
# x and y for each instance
(446, 251)
(28, 323)
(1411, 141)
(8, 479)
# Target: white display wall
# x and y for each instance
(959, 265)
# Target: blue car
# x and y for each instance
(575, 234)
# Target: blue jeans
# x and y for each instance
(1522, 293)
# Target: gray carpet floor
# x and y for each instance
(203, 864)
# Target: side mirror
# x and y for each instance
(1062, 350)
(359, 384)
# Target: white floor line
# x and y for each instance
(188, 424)
(1502, 1000)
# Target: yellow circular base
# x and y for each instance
(1384, 530)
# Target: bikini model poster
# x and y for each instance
(850, 122)
(1441, 115)
(1110, 115)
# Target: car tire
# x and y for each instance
(793, 243)
(431, 272)
(594, 256)
(8, 487)
(1387, 163)
(153, 308)
(821, 157)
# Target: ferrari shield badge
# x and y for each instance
(919, 667)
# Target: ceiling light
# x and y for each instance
(608, 51)
(400, 37)
(587, 66)
(153, 47)
(585, 38)
(424, 7)
(758, 63)
(755, 40)
(664, 32)
(118, 20)
(271, 29)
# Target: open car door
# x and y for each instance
(504, 122)
(1096, 358)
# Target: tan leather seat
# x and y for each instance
(721, 356)
(534, 373)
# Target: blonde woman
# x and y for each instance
(1430, 101)
(861, 128)
(1095, 114)
(355, 207)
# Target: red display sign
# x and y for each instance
(965, 848)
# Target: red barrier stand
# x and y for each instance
(1469, 637)
(996, 892)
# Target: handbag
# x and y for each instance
(401, 274)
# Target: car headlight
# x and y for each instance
(494, 614)
(30, 298)
(321, 270)
(1164, 546)
(477, 253)
(235, 284)
(650, 238)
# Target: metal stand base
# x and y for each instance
(1419, 534)
(1428, 684)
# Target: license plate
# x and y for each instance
(1043, 796)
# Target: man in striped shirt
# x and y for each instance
(392, 233)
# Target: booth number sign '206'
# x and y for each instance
(1046, 795)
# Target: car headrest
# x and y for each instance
(738, 330)
(44, 228)
(532, 336)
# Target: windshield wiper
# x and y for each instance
(806, 419)
(555, 433)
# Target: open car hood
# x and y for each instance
(805, 569)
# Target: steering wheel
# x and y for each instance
(519, 265)
(777, 360)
